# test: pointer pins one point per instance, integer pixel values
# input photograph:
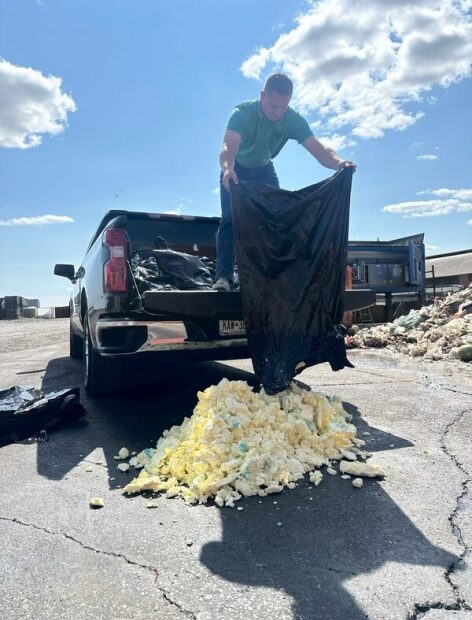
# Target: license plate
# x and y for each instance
(232, 328)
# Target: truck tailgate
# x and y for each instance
(226, 305)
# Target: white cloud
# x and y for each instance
(427, 157)
(430, 248)
(181, 207)
(469, 222)
(177, 211)
(31, 104)
(253, 66)
(416, 145)
(450, 201)
(216, 190)
(460, 194)
(423, 208)
(361, 69)
(278, 27)
(38, 220)
(337, 142)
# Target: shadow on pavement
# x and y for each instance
(323, 542)
(327, 535)
(135, 419)
(375, 439)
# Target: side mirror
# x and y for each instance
(66, 271)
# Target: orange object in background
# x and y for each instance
(347, 316)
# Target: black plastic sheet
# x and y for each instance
(27, 411)
(167, 270)
(291, 249)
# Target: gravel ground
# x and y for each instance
(31, 333)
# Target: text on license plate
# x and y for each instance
(232, 328)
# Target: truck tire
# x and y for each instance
(102, 375)
(76, 345)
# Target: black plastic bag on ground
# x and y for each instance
(27, 411)
(291, 249)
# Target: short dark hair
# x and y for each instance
(279, 83)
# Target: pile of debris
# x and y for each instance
(167, 270)
(242, 443)
(441, 330)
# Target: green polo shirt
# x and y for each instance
(262, 139)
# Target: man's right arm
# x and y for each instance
(229, 150)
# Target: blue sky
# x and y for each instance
(123, 104)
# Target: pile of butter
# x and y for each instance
(242, 443)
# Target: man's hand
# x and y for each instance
(229, 175)
(347, 164)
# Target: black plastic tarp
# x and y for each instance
(291, 248)
(25, 411)
(167, 270)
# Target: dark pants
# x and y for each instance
(225, 235)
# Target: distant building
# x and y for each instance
(388, 267)
(14, 307)
(395, 270)
(448, 272)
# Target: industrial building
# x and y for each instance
(394, 269)
(449, 272)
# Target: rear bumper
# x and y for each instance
(217, 304)
(123, 337)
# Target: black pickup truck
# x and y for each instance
(110, 320)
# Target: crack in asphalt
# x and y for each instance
(341, 571)
(147, 567)
(439, 387)
(186, 612)
(459, 507)
(449, 389)
(361, 370)
(461, 604)
(420, 610)
(362, 383)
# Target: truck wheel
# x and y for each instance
(101, 375)
(76, 345)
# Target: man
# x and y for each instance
(256, 132)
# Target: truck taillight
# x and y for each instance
(115, 274)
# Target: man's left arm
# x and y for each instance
(325, 155)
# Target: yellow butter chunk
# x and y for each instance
(242, 443)
(123, 453)
(371, 470)
(97, 502)
(316, 477)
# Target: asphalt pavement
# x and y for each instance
(398, 548)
